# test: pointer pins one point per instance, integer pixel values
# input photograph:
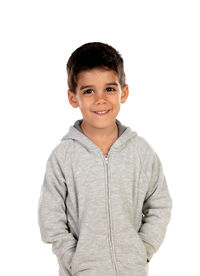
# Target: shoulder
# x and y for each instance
(148, 156)
(145, 152)
(61, 150)
(143, 146)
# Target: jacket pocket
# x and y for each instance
(141, 246)
(130, 249)
(65, 262)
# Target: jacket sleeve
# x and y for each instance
(52, 212)
(156, 209)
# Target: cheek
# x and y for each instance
(84, 105)
(116, 98)
(117, 101)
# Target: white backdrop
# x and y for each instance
(159, 42)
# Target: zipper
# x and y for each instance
(109, 217)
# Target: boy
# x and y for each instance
(104, 204)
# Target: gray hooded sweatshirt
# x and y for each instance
(104, 215)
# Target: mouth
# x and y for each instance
(101, 113)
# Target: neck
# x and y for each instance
(100, 134)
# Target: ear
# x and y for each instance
(72, 99)
(125, 93)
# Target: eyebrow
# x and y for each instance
(87, 86)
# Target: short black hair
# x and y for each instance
(91, 55)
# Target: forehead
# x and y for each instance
(90, 76)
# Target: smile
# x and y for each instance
(101, 113)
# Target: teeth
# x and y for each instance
(102, 112)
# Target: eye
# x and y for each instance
(86, 91)
(109, 89)
(112, 89)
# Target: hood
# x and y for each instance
(75, 133)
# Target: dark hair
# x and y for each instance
(91, 55)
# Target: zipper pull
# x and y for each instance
(106, 159)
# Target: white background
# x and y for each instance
(160, 44)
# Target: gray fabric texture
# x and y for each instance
(104, 215)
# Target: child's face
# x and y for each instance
(98, 89)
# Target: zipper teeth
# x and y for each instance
(112, 248)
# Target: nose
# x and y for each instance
(100, 98)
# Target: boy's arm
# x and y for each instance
(156, 210)
(52, 216)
